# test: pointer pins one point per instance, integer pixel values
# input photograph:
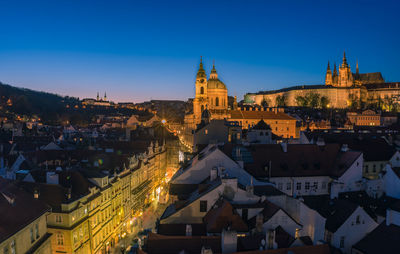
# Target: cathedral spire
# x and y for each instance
(328, 76)
(357, 72)
(105, 96)
(344, 64)
(334, 70)
(98, 97)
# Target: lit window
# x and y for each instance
(60, 239)
(206, 131)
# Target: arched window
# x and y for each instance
(202, 108)
(217, 101)
(201, 90)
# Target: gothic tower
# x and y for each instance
(200, 100)
(345, 75)
(328, 76)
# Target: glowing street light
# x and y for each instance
(163, 121)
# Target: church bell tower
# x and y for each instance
(200, 100)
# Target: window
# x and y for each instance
(5, 250)
(60, 239)
(288, 186)
(358, 219)
(298, 186)
(32, 237)
(203, 206)
(201, 90)
(342, 242)
(323, 185)
(217, 101)
(374, 168)
(37, 231)
(12, 247)
(206, 131)
(75, 237)
(58, 218)
(315, 185)
(245, 214)
(307, 185)
(280, 186)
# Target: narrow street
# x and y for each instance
(146, 222)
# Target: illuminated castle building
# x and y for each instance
(340, 88)
(98, 101)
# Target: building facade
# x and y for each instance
(342, 87)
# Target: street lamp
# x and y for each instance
(163, 121)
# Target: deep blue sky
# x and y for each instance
(140, 50)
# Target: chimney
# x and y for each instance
(206, 250)
(259, 222)
(228, 241)
(188, 230)
(270, 239)
(69, 191)
(284, 147)
(213, 174)
(36, 193)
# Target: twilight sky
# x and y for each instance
(141, 50)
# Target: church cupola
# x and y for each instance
(328, 77)
(213, 74)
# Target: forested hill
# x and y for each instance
(27, 102)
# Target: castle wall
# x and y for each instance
(338, 97)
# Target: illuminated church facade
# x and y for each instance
(211, 94)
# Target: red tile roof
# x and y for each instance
(223, 216)
(244, 114)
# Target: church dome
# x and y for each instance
(215, 84)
